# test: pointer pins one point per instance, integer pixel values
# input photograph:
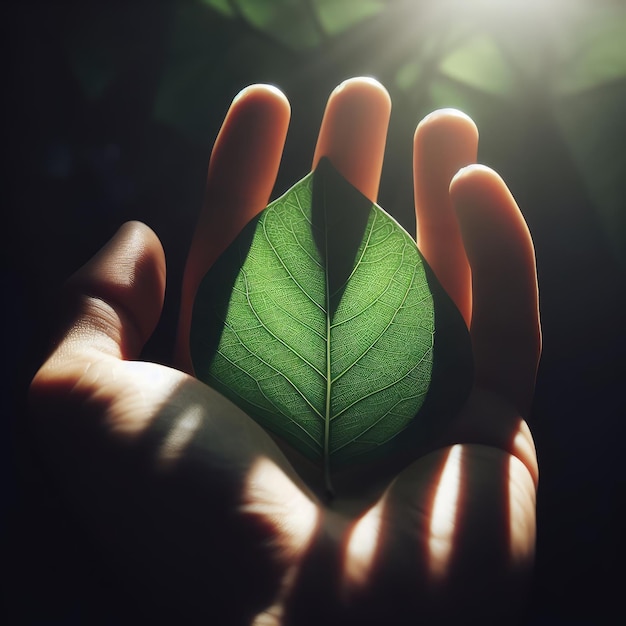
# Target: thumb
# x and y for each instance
(114, 301)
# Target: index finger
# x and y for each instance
(242, 172)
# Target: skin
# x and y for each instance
(199, 512)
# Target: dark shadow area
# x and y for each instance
(443, 548)
(410, 571)
(339, 216)
(452, 374)
(210, 307)
(143, 519)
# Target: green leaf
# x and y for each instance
(325, 324)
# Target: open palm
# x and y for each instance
(200, 512)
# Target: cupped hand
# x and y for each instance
(198, 511)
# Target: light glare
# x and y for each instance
(443, 518)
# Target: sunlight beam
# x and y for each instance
(361, 548)
(180, 435)
(443, 518)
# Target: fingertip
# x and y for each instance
(447, 116)
(485, 205)
(134, 242)
(364, 86)
(257, 120)
(150, 271)
(263, 94)
(129, 274)
(148, 249)
(444, 129)
(472, 176)
(481, 198)
(353, 133)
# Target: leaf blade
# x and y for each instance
(326, 319)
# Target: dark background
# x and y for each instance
(109, 114)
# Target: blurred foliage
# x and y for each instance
(428, 54)
(299, 24)
(563, 46)
(599, 53)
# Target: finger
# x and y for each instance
(453, 536)
(242, 172)
(444, 142)
(115, 300)
(354, 131)
(505, 326)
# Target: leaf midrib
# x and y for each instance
(383, 331)
(329, 382)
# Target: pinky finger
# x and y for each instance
(505, 327)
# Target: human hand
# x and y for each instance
(197, 508)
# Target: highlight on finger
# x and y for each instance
(354, 132)
(241, 175)
(444, 141)
(505, 326)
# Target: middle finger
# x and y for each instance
(354, 132)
